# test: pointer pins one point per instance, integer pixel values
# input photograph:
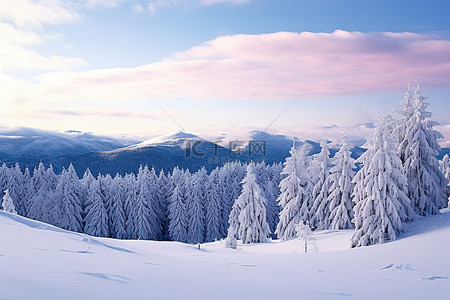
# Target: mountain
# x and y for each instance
(40, 261)
(41, 143)
(181, 149)
(109, 155)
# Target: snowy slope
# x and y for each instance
(38, 261)
(177, 139)
(18, 142)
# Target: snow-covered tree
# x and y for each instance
(68, 211)
(16, 186)
(86, 183)
(295, 194)
(196, 210)
(8, 204)
(147, 225)
(231, 241)
(213, 220)
(418, 148)
(118, 227)
(380, 190)
(253, 227)
(178, 214)
(163, 194)
(131, 186)
(304, 233)
(96, 221)
(340, 193)
(320, 211)
(444, 165)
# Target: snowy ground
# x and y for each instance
(38, 261)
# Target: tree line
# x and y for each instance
(399, 178)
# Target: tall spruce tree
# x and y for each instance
(320, 211)
(96, 221)
(382, 205)
(418, 148)
(340, 197)
(253, 227)
(295, 194)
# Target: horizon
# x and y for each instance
(148, 68)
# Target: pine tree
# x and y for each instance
(146, 221)
(178, 215)
(320, 211)
(295, 194)
(96, 221)
(340, 197)
(130, 204)
(16, 184)
(196, 210)
(118, 227)
(444, 165)
(231, 241)
(8, 204)
(86, 183)
(380, 191)
(163, 194)
(253, 227)
(418, 148)
(68, 213)
(213, 220)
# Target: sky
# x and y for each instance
(313, 69)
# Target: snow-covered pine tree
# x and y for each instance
(85, 184)
(295, 194)
(320, 211)
(27, 190)
(253, 227)
(146, 222)
(118, 227)
(213, 221)
(4, 174)
(8, 204)
(418, 148)
(444, 165)
(178, 215)
(16, 185)
(131, 186)
(68, 210)
(196, 207)
(304, 233)
(380, 190)
(106, 183)
(163, 194)
(340, 196)
(231, 241)
(96, 221)
(226, 192)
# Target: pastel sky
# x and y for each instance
(325, 67)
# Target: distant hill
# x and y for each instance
(109, 155)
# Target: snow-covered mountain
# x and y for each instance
(29, 142)
(112, 155)
(177, 139)
(40, 261)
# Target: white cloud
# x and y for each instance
(93, 4)
(210, 2)
(153, 5)
(16, 52)
(36, 13)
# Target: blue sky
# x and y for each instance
(220, 65)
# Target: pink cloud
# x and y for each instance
(274, 66)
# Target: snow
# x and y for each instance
(176, 139)
(41, 261)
